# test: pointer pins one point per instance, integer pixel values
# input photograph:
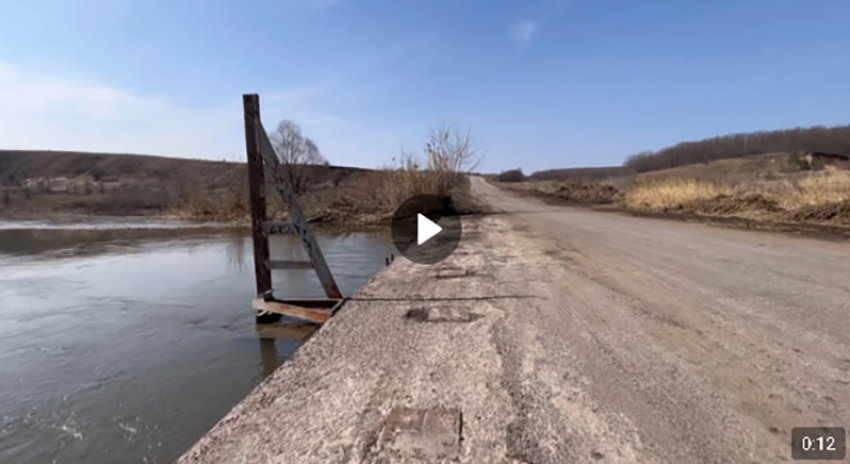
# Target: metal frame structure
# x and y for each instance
(262, 157)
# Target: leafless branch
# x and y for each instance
(295, 151)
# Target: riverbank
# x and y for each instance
(390, 354)
(336, 200)
(350, 206)
(44, 183)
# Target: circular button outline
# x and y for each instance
(404, 229)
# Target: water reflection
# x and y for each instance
(126, 346)
(236, 248)
(269, 334)
(268, 356)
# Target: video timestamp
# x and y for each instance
(823, 443)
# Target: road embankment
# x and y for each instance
(417, 340)
(557, 334)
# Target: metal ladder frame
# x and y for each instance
(261, 155)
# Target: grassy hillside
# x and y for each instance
(819, 138)
(581, 174)
(16, 165)
(45, 182)
(101, 183)
(773, 189)
(798, 176)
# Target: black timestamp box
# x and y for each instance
(824, 443)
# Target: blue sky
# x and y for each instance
(541, 83)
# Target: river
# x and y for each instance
(124, 342)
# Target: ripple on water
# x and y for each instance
(128, 347)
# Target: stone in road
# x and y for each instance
(558, 335)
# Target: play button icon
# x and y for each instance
(426, 229)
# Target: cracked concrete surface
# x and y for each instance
(596, 338)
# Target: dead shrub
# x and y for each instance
(447, 156)
(513, 175)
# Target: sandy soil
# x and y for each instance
(567, 335)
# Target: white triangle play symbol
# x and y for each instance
(425, 229)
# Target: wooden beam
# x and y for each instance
(277, 307)
(279, 227)
(276, 264)
(257, 191)
(299, 222)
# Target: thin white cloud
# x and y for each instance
(41, 112)
(523, 31)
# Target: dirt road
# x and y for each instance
(672, 342)
(568, 336)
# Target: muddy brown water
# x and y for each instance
(125, 342)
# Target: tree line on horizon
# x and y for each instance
(819, 138)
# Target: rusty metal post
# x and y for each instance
(257, 186)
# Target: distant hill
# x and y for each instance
(118, 183)
(800, 139)
(581, 174)
(18, 164)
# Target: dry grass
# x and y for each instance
(671, 193)
(360, 198)
(386, 189)
(447, 156)
(791, 193)
(93, 183)
(769, 189)
(815, 189)
(37, 182)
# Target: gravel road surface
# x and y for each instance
(560, 335)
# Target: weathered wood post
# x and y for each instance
(257, 187)
(261, 154)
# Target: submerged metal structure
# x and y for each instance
(262, 159)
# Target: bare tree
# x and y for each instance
(450, 154)
(295, 152)
(314, 156)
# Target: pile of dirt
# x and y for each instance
(836, 213)
(582, 192)
(726, 205)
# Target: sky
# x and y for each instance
(540, 83)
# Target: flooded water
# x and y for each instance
(120, 344)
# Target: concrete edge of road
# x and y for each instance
(355, 376)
